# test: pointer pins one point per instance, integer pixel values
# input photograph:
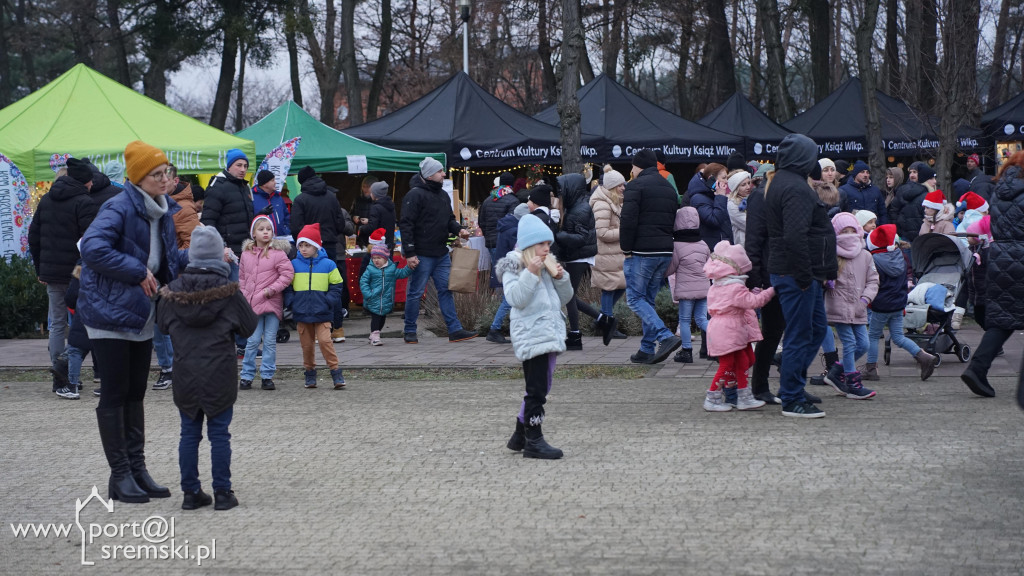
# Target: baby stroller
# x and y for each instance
(941, 264)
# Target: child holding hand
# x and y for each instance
(378, 287)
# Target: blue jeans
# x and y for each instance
(644, 275)
(829, 343)
(894, 320)
(436, 268)
(75, 357)
(806, 323)
(689, 310)
(58, 320)
(220, 450)
(503, 310)
(266, 329)
(608, 300)
(164, 349)
(855, 344)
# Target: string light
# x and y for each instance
(549, 169)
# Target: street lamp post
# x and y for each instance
(464, 16)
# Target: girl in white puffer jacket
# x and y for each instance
(537, 291)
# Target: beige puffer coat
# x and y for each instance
(607, 274)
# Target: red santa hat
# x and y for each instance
(883, 238)
(974, 202)
(936, 200)
(310, 234)
(379, 236)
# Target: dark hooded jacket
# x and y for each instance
(983, 186)
(801, 241)
(715, 224)
(102, 188)
(906, 210)
(62, 217)
(228, 208)
(508, 231)
(494, 209)
(578, 237)
(865, 197)
(382, 215)
(1005, 290)
(427, 219)
(78, 336)
(648, 216)
(892, 281)
(318, 204)
(756, 243)
(203, 310)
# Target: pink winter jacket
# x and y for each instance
(857, 278)
(689, 255)
(733, 325)
(257, 273)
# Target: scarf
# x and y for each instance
(848, 246)
(686, 235)
(155, 210)
(500, 191)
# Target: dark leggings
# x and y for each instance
(773, 324)
(125, 370)
(538, 373)
(376, 322)
(990, 345)
(577, 271)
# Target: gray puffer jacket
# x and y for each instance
(537, 323)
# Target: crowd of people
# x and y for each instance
(798, 252)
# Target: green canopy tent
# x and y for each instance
(87, 115)
(323, 147)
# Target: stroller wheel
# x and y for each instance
(887, 356)
(938, 360)
(964, 353)
(283, 335)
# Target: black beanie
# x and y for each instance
(506, 179)
(541, 195)
(306, 173)
(79, 170)
(645, 158)
(924, 173)
(736, 162)
(263, 177)
(660, 156)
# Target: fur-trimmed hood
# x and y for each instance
(198, 296)
(512, 262)
(278, 243)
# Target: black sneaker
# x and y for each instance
(497, 337)
(96, 392)
(68, 393)
(641, 357)
(802, 410)
(267, 384)
(978, 384)
(818, 380)
(808, 397)
(194, 500)
(768, 398)
(685, 356)
(616, 335)
(225, 499)
(666, 347)
(245, 384)
(164, 381)
(410, 338)
(461, 335)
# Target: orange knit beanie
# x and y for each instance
(140, 159)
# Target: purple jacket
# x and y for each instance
(689, 254)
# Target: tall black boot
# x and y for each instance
(574, 341)
(518, 439)
(703, 345)
(831, 358)
(135, 441)
(122, 485)
(537, 447)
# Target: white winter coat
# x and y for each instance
(537, 323)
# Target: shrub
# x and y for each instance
(475, 310)
(23, 301)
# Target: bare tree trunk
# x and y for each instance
(550, 83)
(325, 59)
(83, 15)
(819, 20)
(243, 51)
(865, 46)
(837, 46)
(613, 39)
(996, 95)
(756, 77)
(229, 50)
(349, 67)
(929, 59)
(380, 71)
(122, 75)
(892, 50)
(958, 94)
(780, 106)
(586, 68)
(26, 51)
(293, 55)
(684, 101)
(568, 105)
(912, 41)
(719, 70)
(627, 55)
(5, 59)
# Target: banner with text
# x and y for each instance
(279, 161)
(14, 214)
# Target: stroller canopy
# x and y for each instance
(929, 252)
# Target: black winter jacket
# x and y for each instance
(983, 186)
(1005, 290)
(578, 237)
(381, 215)
(892, 281)
(906, 210)
(102, 189)
(492, 210)
(61, 219)
(228, 208)
(318, 204)
(801, 241)
(427, 219)
(202, 311)
(756, 243)
(648, 215)
(78, 336)
(362, 206)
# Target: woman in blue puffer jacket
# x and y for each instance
(127, 253)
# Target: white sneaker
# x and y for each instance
(745, 400)
(375, 338)
(715, 402)
(68, 392)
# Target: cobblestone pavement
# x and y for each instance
(395, 477)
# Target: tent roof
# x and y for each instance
(1006, 121)
(625, 122)
(737, 115)
(88, 115)
(323, 147)
(839, 126)
(470, 125)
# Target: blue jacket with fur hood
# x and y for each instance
(537, 323)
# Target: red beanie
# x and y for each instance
(883, 238)
(936, 200)
(311, 235)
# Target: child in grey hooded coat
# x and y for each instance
(537, 327)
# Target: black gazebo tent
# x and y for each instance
(738, 116)
(1006, 121)
(839, 126)
(624, 123)
(471, 126)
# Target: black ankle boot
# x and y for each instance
(536, 447)
(122, 485)
(831, 358)
(518, 439)
(224, 499)
(704, 345)
(135, 442)
(574, 341)
(195, 500)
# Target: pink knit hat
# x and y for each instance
(727, 260)
(846, 220)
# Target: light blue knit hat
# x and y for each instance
(532, 230)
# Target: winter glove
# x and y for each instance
(743, 205)
(830, 285)
(865, 300)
